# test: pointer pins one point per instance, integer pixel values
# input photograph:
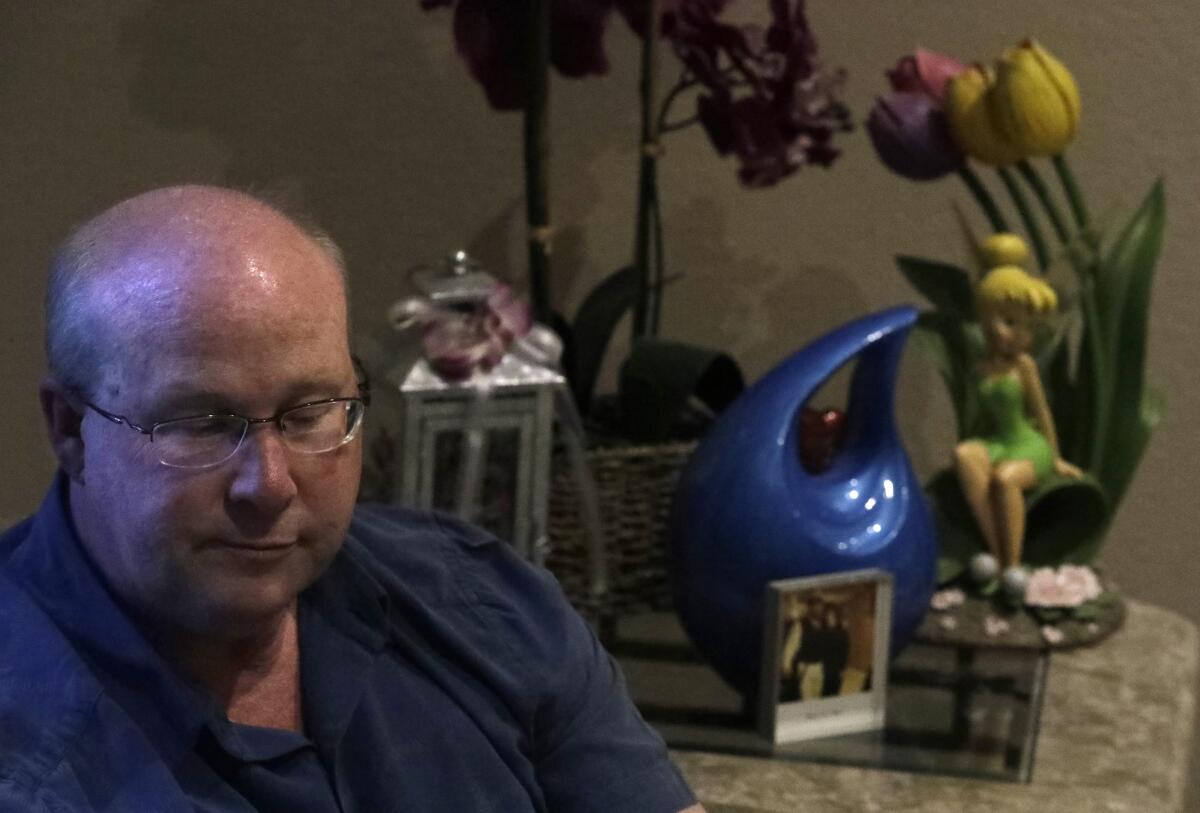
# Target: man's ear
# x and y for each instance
(64, 415)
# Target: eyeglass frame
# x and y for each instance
(363, 397)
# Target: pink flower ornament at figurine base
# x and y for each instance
(1066, 586)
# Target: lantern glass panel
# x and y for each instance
(497, 508)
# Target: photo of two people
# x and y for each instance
(827, 643)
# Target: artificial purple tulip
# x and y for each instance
(910, 133)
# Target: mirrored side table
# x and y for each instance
(1104, 728)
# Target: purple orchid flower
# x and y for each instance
(765, 97)
(490, 36)
(634, 12)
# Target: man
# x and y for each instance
(197, 618)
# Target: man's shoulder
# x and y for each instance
(48, 695)
(471, 586)
(444, 557)
(11, 537)
(393, 530)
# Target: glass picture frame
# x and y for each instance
(825, 655)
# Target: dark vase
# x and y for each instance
(748, 512)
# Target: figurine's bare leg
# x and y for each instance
(974, 470)
(1011, 480)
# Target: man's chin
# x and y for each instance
(234, 594)
(237, 608)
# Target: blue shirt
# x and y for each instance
(439, 673)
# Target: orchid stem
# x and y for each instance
(983, 198)
(537, 157)
(1027, 218)
(1074, 195)
(685, 82)
(644, 309)
(660, 264)
(1035, 182)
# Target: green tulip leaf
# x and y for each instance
(1051, 344)
(1125, 451)
(1053, 356)
(1123, 278)
(1062, 395)
(947, 287)
(1154, 405)
(1082, 395)
(943, 338)
(593, 328)
(972, 240)
(1123, 302)
(973, 333)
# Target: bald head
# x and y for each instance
(163, 257)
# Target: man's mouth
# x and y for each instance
(261, 546)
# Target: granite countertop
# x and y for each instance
(1116, 732)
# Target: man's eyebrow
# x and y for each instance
(316, 389)
(204, 401)
(183, 403)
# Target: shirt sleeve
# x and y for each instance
(592, 750)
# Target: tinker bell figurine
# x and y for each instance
(1020, 446)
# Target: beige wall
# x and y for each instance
(363, 112)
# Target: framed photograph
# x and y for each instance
(825, 655)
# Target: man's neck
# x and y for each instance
(255, 679)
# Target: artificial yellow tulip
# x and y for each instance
(967, 110)
(1035, 101)
(1004, 248)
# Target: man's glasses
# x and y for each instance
(203, 441)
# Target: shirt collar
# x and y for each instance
(343, 627)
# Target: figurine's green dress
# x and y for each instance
(1010, 434)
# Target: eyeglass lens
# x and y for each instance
(207, 441)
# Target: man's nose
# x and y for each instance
(263, 475)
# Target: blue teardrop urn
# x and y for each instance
(747, 512)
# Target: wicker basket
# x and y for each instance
(636, 485)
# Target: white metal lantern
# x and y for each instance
(479, 448)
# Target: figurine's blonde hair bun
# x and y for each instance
(1009, 283)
